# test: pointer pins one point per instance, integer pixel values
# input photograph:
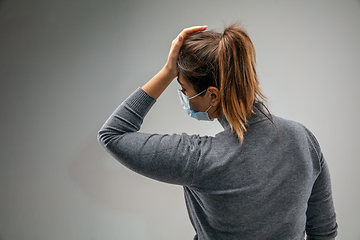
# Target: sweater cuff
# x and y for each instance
(140, 101)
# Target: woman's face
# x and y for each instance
(197, 104)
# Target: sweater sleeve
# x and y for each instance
(321, 217)
(167, 158)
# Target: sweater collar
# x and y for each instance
(256, 116)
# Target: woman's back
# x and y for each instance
(259, 189)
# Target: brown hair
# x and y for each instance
(227, 62)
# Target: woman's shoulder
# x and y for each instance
(295, 128)
(289, 124)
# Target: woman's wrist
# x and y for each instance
(159, 82)
(172, 72)
(169, 72)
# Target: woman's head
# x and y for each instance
(226, 62)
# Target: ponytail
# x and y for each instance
(227, 62)
(239, 85)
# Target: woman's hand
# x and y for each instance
(163, 78)
(175, 48)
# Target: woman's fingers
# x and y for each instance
(176, 45)
(191, 30)
(186, 33)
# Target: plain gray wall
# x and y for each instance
(65, 66)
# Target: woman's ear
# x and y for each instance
(214, 96)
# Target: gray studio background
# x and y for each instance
(65, 66)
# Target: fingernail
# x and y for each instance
(180, 38)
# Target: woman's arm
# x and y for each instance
(167, 158)
(164, 77)
(321, 217)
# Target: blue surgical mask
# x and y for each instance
(185, 102)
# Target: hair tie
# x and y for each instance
(221, 36)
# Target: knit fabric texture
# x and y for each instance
(274, 185)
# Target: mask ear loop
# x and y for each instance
(208, 109)
(197, 94)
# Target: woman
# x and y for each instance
(263, 177)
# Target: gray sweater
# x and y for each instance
(275, 185)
